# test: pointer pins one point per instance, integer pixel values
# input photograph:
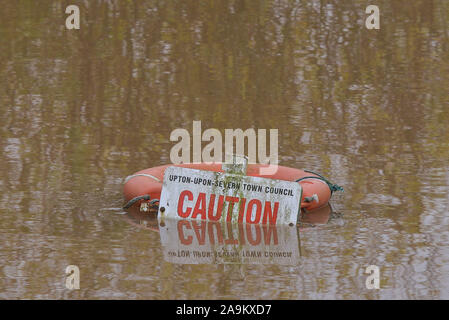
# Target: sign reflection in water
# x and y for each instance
(204, 242)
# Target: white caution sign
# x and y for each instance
(214, 196)
(203, 242)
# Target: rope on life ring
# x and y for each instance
(333, 187)
(138, 198)
(141, 175)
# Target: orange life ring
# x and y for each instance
(147, 184)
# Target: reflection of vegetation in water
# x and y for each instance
(215, 62)
(81, 110)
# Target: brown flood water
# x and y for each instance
(82, 109)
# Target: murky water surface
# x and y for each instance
(82, 109)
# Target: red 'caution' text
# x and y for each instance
(210, 208)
